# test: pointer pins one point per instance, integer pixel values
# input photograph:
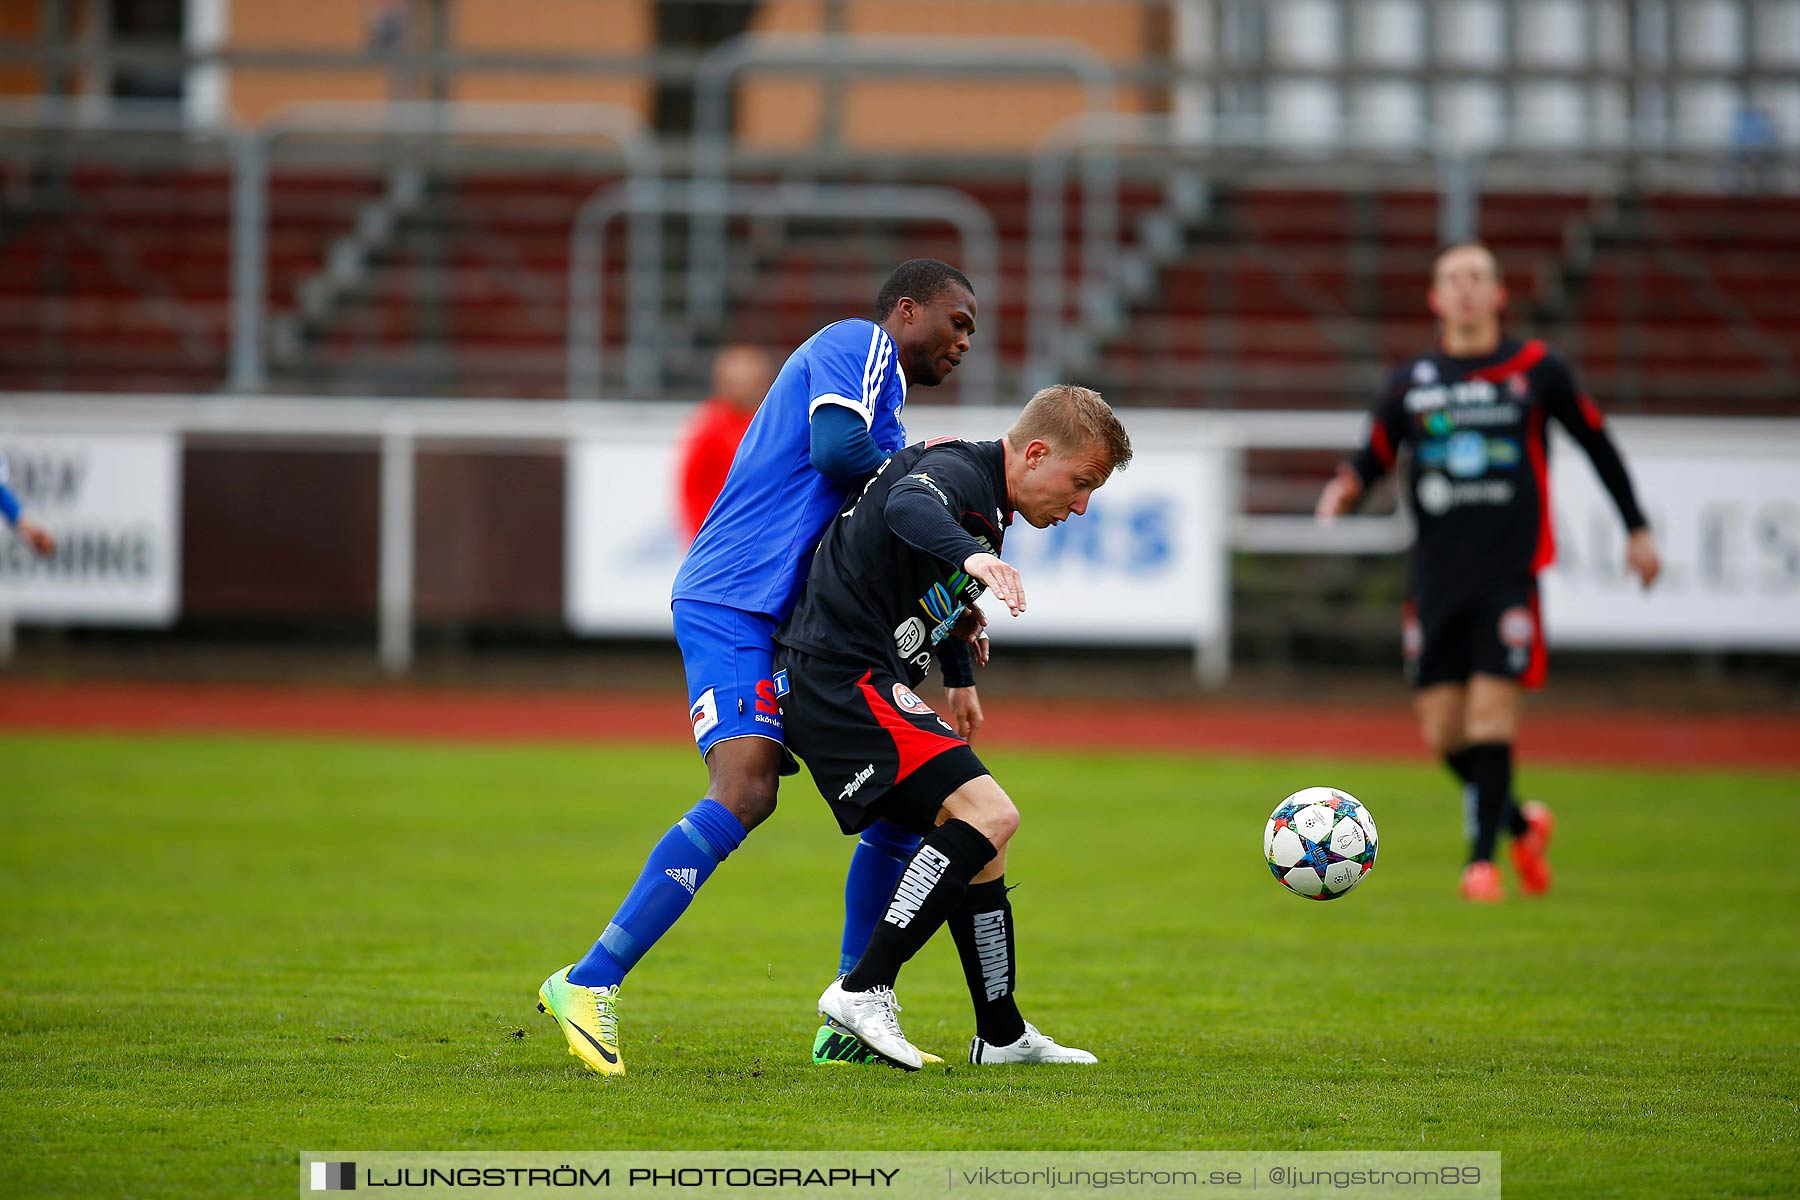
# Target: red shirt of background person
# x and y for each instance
(741, 377)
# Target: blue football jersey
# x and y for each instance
(754, 549)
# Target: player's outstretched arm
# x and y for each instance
(918, 511)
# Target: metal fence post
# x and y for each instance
(978, 57)
(1458, 202)
(395, 600)
(587, 294)
(249, 259)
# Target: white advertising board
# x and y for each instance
(113, 503)
(1146, 565)
(623, 544)
(1723, 499)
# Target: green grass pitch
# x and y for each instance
(218, 952)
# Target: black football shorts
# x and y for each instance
(1494, 631)
(876, 751)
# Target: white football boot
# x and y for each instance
(871, 1016)
(1032, 1047)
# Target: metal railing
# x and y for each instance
(985, 57)
(1620, 152)
(1457, 167)
(850, 202)
(402, 126)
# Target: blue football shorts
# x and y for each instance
(734, 690)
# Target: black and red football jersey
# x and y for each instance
(1478, 475)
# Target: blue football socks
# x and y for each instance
(880, 856)
(676, 868)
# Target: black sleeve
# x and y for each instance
(922, 509)
(957, 661)
(1387, 430)
(1564, 400)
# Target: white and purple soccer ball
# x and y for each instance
(1320, 842)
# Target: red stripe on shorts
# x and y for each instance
(915, 746)
(1537, 668)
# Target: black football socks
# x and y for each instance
(983, 929)
(931, 889)
(1458, 763)
(1490, 770)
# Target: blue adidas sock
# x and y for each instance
(676, 868)
(876, 864)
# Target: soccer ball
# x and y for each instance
(1320, 842)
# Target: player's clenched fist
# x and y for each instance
(1001, 579)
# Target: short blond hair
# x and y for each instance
(1069, 417)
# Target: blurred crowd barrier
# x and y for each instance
(563, 516)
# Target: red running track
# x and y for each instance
(1639, 739)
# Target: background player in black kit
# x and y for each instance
(1473, 414)
(897, 574)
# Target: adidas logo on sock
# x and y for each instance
(687, 877)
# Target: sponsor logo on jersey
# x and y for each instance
(942, 629)
(1434, 494)
(1437, 495)
(931, 486)
(945, 602)
(856, 781)
(1451, 395)
(1465, 455)
(922, 874)
(1424, 371)
(1517, 627)
(765, 697)
(909, 635)
(908, 701)
(705, 714)
(942, 599)
(1443, 423)
(781, 684)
